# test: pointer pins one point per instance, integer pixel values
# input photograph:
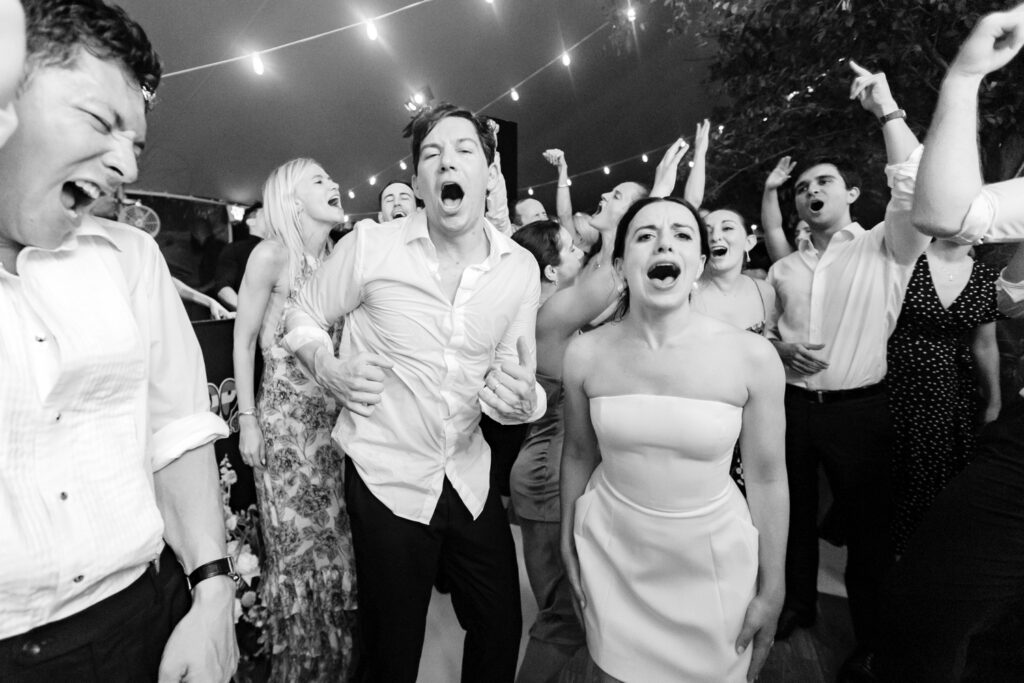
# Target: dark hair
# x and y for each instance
(847, 171)
(540, 238)
(424, 122)
(733, 209)
(57, 29)
(250, 212)
(380, 195)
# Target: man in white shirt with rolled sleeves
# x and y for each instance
(838, 300)
(105, 428)
(439, 311)
(964, 566)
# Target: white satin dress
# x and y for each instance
(667, 551)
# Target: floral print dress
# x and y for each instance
(309, 585)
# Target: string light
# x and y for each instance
(568, 181)
(566, 61)
(530, 192)
(630, 14)
(607, 171)
(373, 180)
(257, 63)
(643, 158)
(690, 163)
(514, 94)
(371, 30)
(351, 194)
(402, 165)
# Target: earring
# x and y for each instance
(747, 255)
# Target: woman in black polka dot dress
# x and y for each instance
(943, 377)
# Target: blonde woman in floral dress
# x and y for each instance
(308, 582)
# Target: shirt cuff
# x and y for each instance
(979, 219)
(904, 171)
(300, 336)
(184, 434)
(539, 409)
(1014, 290)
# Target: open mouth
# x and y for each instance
(335, 201)
(816, 205)
(665, 273)
(451, 196)
(719, 250)
(78, 195)
(398, 213)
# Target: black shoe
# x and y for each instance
(859, 667)
(789, 620)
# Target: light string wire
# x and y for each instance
(294, 42)
(506, 92)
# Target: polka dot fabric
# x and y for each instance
(932, 390)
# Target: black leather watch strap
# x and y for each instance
(222, 567)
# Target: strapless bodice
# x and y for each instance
(666, 453)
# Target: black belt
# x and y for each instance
(816, 396)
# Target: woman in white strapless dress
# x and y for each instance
(677, 579)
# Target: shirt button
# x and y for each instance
(78, 579)
(63, 495)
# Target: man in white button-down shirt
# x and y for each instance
(105, 429)
(964, 566)
(439, 309)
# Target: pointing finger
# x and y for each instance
(858, 69)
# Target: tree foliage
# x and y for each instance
(781, 66)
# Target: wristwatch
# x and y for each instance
(891, 116)
(225, 566)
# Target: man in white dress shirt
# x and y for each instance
(839, 296)
(105, 429)
(439, 311)
(964, 566)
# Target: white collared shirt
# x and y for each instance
(102, 384)
(848, 298)
(386, 280)
(996, 215)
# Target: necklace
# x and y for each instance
(950, 273)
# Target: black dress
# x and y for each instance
(933, 392)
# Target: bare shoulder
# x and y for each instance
(584, 350)
(269, 256)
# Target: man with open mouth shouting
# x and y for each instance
(106, 434)
(839, 296)
(439, 310)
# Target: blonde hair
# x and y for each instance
(282, 214)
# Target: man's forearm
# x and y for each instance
(188, 496)
(950, 175)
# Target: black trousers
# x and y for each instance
(852, 439)
(396, 562)
(119, 639)
(964, 566)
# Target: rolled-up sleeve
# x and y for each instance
(996, 215)
(178, 396)
(331, 293)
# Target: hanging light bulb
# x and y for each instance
(568, 181)
(643, 158)
(607, 170)
(514, 94)
(565, 59)
(257, 63)
(402, 165)
(371, 30)
(530, 191)
(351, 194)
(373, 180)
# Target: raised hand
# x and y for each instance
(700, 138)
(995, 40)
(668, 168)
(357, 382)
(510, 388)
(555, 157)
(872, 90)
(780, 174)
